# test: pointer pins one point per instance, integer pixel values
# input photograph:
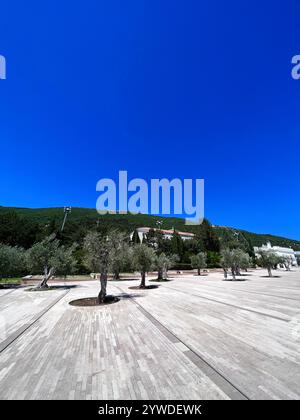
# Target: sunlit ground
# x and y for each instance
(191, 338)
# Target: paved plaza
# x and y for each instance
(191, 338)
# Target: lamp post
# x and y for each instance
(67, 210)
(159, 224)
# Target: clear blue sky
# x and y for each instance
(160, 88)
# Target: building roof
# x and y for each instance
(166, 232)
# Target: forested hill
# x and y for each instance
(258, 239)
(83, 219)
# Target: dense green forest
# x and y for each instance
(24, 229)
(23, 226)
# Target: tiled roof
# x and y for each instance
(166, 232)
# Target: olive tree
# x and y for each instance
(12, 261)
(144, 259)
(64, 262)
(268, 260)
(97, 259)
(50, 258)
(163, 263)
(242, 261)
(120, 253)
(225, 261)
(287, 261)
(199, 261)
(104, 254)
(235, 260)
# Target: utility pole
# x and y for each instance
(159, 224)
(67, 210)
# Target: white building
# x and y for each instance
(278, 250)
(167, 234)
(297, 255)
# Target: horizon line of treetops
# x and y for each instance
(106, 251)
(21, 232)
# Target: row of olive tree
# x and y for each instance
(234, 260)
(12, 261)
(50, 258)
(47, 257)
(199, 261)
(269, 260)
(111, 253)
(114, 253)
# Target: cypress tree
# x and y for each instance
(135, 237)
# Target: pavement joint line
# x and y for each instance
(229, 304)
(267, 294)
(211, 372)
(257, 293)
(20, 331)
(8, 293)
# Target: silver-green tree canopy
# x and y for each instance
(225, 261)
(143, 260)
(50, 258)
(97, 258)
(163, 263)
(235, 260)
(287, 261)
(12, 261)
(120, 254)
(104, 254)
(199, 261)
(64, 262)
(268, 260)
(241, 261)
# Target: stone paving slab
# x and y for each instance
(19, 307)
(192, 338)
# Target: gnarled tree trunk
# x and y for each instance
(143, 280)
(270, 272)
(160, 274)
(117, 275)
(103, 283)
(47, 275)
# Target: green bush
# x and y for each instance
(182, 266)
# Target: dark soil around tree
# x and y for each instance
(93, 301)
(49, 288)
(143, 288)
(9, 286)
(236, 280)
(122, 280)
(160, 281)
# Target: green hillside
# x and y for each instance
(257, 239)
(85, 218)
(86, 215)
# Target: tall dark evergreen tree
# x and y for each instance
(135, 237)
(208, 240)
(177, 245)
(155, 239)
